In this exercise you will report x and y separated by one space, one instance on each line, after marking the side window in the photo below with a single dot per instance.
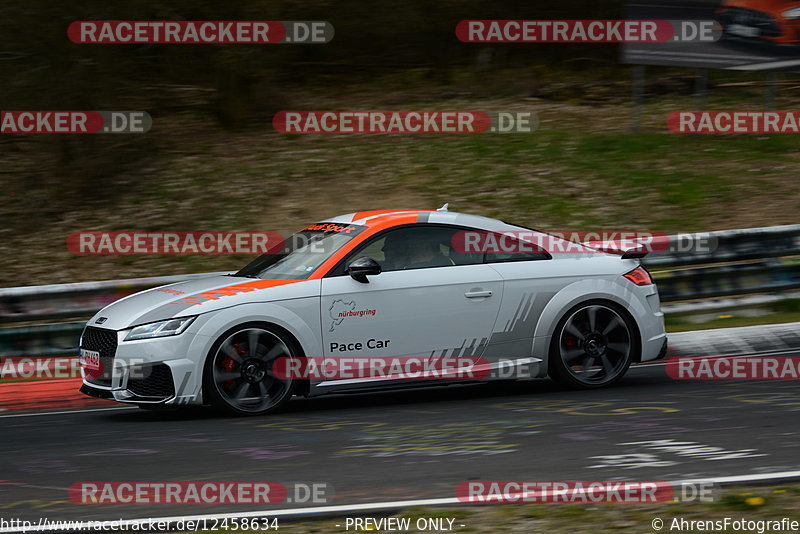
416 247
374 250
502 248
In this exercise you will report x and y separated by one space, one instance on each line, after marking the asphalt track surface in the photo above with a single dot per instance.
419 444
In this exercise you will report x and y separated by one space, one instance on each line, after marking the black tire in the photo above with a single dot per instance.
237 375
593 345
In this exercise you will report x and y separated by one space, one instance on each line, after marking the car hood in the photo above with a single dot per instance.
192 297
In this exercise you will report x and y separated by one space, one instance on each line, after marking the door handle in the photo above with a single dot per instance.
477 294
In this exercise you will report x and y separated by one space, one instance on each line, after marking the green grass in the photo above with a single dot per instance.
728 320
581 171
770 503
787 311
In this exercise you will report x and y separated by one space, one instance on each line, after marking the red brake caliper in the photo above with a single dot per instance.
229 364
570 342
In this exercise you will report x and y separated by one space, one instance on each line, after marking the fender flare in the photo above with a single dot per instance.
574 294
259 312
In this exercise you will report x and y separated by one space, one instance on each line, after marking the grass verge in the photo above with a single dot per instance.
759 503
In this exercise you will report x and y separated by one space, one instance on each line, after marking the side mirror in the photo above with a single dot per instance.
362 267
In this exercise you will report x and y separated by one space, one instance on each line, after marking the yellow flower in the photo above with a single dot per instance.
779 491
755 501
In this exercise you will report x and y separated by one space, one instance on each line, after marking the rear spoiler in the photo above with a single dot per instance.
627 248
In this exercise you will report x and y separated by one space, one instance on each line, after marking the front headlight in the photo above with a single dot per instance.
793 13
171 327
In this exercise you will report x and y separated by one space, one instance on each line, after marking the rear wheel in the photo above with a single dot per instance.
239 377
593 345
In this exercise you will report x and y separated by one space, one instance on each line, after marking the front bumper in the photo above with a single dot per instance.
153 387
96 392
663 352
152 371
138 384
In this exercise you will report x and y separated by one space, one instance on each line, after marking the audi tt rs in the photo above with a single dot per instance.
422 284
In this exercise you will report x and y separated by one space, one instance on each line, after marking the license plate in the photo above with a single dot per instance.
744 31
89 359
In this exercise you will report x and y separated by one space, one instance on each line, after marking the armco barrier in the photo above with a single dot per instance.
738 268
34 303
62 301
766 276
730 246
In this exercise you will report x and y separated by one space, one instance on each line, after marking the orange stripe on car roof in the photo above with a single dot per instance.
364 214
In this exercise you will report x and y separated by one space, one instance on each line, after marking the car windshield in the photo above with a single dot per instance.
302 253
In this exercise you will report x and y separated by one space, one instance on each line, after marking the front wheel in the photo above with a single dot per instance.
593 345
239 377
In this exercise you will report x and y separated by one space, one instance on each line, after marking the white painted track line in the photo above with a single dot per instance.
66 412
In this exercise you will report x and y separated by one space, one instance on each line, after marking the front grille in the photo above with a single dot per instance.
151 381
753 18
104 342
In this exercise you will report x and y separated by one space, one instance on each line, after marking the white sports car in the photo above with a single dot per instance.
380 284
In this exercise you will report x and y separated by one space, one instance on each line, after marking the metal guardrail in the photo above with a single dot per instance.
736 268
729 246
728 266
82 299
729 280
62 301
